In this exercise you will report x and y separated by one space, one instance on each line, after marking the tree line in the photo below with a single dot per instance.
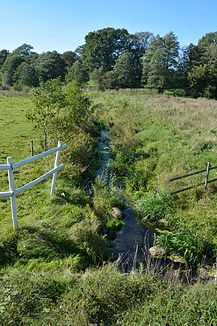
113 58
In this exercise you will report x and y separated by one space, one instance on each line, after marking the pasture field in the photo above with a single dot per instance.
16 134
53 271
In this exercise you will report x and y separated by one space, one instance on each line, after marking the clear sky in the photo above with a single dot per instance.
62 24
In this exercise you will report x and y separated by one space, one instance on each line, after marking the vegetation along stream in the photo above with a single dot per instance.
131 245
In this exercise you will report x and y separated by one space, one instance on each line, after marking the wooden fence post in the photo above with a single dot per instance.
207 175
13 196
56 164
32 148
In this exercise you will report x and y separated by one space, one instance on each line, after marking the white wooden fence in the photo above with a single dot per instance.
11 166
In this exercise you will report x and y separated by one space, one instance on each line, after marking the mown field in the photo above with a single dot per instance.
54 271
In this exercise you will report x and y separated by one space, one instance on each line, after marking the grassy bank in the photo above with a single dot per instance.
102 297
154 138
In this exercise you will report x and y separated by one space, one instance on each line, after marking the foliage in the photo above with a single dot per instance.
112 58
47 99
69 58
114 224
3 57
10 65
185 242
153 138
102 48
86 235
50 65
175 92
77 73
126 71
175 305
65 114
25 75
160 61
151 207
102 297
43 280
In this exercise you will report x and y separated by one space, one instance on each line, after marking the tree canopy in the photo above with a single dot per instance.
114 58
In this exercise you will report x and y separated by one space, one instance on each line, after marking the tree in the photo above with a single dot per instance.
78 73
50 65
203 77
12 62
202 67
47 99
207 40
23 51
198 80
126 71
3 56
160 62
103 47
9 68
69 57
139 42
25 75
65 114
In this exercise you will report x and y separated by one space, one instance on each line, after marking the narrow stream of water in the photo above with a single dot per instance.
130 247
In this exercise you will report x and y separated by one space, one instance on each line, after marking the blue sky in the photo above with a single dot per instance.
62 24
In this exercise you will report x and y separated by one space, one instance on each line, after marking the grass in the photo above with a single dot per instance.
47 224
51 270
102 297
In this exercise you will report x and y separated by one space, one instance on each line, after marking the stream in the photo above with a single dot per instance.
131 245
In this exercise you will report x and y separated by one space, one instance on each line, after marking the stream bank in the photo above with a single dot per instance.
130 249
131 246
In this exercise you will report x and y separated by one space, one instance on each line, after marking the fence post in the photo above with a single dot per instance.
13 197
57 159
32 148
207 175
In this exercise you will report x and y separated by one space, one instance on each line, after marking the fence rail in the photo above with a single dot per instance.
11 166
205 183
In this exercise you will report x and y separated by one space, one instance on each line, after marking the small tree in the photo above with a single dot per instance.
65 113
48 99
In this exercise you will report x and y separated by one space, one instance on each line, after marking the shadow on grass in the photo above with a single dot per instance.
34 243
